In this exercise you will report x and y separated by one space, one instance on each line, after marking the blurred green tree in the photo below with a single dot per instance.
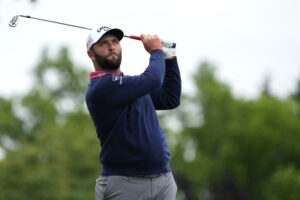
10 125
232 148
56 152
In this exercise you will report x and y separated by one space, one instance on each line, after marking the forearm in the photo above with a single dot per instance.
168 95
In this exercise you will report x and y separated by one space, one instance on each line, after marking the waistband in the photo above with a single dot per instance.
151 175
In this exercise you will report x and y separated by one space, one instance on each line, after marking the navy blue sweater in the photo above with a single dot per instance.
123 110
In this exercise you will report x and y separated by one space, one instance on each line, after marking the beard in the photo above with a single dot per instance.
108 64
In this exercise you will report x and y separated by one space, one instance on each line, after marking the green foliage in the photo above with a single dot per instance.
238 145
10 125
283 184
57 157
70 80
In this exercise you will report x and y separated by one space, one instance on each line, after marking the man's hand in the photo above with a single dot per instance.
169 53
151 42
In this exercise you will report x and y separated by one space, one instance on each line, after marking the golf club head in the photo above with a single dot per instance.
14 21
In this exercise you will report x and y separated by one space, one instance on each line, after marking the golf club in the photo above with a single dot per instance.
14 21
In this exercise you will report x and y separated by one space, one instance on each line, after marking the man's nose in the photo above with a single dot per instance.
111 45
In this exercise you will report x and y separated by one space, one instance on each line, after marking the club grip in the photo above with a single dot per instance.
135 37
163 42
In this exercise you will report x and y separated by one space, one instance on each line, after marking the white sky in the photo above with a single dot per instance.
245 39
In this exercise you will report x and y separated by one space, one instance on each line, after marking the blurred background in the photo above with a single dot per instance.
235 136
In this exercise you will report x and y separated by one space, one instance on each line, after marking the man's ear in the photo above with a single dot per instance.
91 55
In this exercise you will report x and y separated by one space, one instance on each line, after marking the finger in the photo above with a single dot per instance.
156 37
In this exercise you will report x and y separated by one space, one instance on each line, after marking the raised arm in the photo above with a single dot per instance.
167 96
120 90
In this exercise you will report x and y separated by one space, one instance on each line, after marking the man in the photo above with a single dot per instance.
134 151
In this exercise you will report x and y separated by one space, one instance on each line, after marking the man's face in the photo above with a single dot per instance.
107 52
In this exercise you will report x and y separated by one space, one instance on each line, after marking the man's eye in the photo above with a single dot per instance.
103 43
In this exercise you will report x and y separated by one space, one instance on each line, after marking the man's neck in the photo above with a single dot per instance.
116 71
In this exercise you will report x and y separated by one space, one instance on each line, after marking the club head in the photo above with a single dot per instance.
14 21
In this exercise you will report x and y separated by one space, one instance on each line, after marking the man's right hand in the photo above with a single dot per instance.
151 42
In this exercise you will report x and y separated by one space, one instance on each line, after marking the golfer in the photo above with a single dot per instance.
134 151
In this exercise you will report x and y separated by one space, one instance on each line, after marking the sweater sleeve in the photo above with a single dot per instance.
117 90
167 96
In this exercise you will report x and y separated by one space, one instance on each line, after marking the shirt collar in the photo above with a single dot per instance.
101 73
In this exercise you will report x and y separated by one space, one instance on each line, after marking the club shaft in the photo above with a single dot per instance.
45 20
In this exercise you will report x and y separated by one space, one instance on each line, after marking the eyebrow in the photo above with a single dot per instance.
106 40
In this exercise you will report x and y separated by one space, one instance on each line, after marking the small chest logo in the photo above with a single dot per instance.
117 78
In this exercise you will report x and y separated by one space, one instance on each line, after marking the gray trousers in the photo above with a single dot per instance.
156 187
